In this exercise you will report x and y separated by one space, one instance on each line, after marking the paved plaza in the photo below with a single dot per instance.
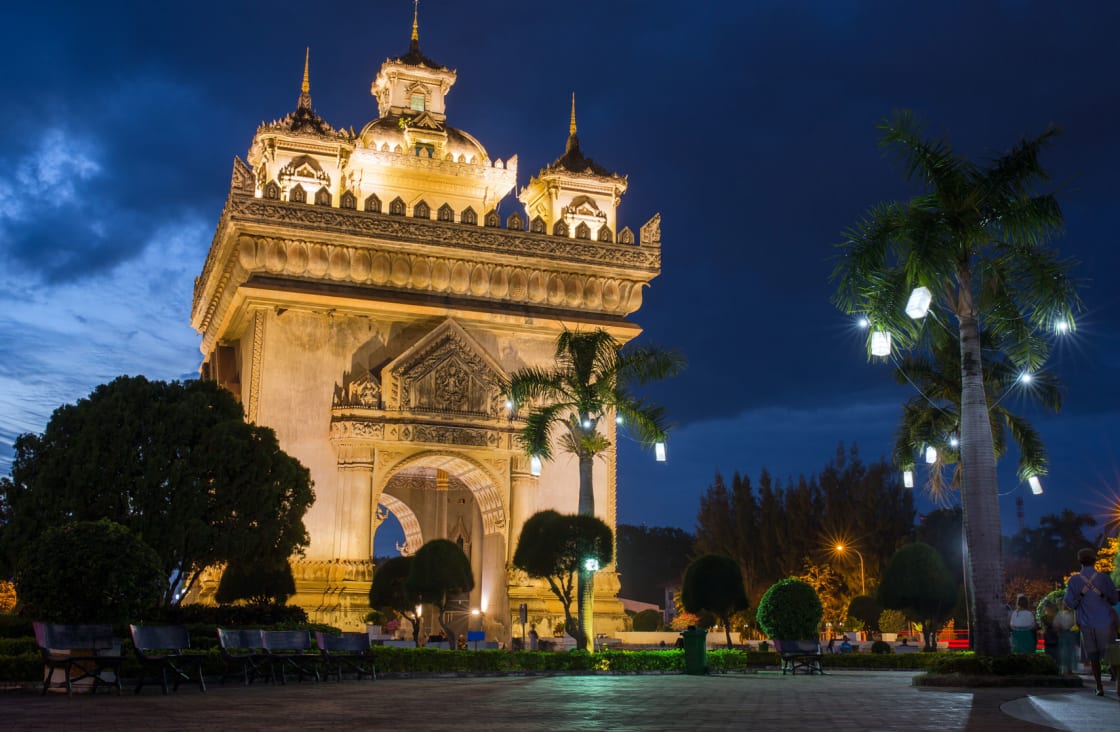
841 701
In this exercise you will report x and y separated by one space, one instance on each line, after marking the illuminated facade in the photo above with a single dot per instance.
364 299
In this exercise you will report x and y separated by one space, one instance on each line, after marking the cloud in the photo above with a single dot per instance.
64 339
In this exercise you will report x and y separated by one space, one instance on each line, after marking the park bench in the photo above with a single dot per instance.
801 655
242 653
291 649
348 652
160 648
82 654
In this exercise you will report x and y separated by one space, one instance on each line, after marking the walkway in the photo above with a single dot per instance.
842 701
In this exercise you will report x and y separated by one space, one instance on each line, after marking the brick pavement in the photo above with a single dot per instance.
842 701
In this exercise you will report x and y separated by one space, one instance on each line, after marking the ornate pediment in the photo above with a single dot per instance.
446 371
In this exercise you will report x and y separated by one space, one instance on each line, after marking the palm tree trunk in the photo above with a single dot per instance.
980 492
586 589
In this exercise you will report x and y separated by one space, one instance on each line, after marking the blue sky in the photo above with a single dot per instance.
750 126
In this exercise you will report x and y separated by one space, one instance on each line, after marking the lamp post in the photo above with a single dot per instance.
862 583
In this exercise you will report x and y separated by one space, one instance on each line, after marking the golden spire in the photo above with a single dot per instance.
572 125
415 22
306 87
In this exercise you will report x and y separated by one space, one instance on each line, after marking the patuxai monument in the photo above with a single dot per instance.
365 297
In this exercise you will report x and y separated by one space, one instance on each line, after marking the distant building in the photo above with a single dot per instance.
364 298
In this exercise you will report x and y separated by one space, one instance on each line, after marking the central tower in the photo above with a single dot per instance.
364 298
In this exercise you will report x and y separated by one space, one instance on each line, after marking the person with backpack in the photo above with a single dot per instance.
1092 595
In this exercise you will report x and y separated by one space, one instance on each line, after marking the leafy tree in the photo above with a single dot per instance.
866 610
651 559
590 382
790 610
260 581
713 582
389 589
554 547
174 463
977 240
828 588
89 572
770 532
440 571
918 583
1043 554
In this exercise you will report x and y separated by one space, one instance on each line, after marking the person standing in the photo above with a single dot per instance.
1024 636
1067 639
1092 595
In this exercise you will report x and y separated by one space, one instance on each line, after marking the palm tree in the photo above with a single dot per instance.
931 418
977 240
590 381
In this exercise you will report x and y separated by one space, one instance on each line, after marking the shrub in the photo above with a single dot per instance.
790 610
232 616
881 647
892 621
647 620
970 664
89 572
268 579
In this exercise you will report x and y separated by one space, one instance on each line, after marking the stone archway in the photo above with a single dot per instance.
453 496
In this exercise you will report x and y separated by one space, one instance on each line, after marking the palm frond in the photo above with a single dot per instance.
1032 452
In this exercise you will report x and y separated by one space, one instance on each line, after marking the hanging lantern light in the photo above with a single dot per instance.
907 478
618 419
1036 485
659 451
918 304
931 454
880 343
535 465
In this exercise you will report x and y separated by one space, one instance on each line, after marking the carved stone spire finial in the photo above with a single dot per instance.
573 141
414 44
572 124
305 87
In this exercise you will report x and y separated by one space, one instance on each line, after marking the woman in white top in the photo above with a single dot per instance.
1023 625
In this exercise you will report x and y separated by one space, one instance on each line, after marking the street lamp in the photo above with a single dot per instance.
862 583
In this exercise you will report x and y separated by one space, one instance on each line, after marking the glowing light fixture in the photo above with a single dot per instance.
953 441
931 454
419 610
863 323
918 304
907 478
509 404
535 465
1036 485
475 611
591 564
659 451
618 419
1061 326
586 423
1026 377
880 343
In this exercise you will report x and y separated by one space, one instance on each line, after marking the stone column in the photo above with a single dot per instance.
522 498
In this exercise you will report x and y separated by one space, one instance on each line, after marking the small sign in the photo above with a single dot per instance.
523 613
476 635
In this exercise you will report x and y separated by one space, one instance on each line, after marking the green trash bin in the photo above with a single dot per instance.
695 651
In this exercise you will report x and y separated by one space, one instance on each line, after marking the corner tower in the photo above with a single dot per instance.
574 196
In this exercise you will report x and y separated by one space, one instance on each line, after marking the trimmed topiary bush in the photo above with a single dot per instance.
647 620
881 647
790 610
89 572
260 581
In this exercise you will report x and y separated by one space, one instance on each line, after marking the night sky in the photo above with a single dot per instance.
750 126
